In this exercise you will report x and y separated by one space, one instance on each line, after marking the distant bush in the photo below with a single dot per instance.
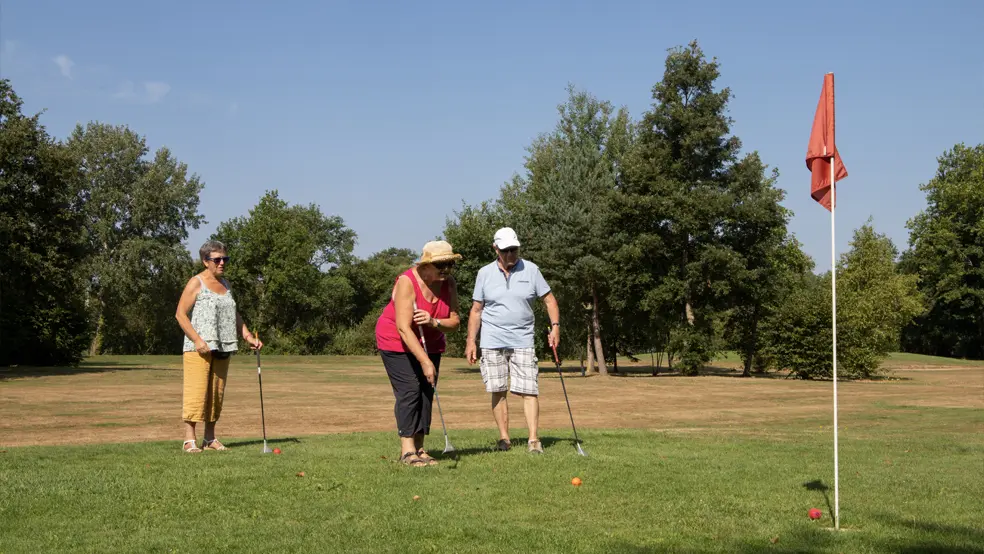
874 302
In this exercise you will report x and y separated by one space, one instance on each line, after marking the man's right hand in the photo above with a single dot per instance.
471 352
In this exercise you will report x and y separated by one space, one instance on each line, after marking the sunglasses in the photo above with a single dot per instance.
442 266
217 259
510 250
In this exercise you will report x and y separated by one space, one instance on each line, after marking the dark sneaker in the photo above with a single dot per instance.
503 445
535 447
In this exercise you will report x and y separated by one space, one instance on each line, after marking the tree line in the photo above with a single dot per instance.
657 235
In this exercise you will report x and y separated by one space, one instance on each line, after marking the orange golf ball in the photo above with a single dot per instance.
576 481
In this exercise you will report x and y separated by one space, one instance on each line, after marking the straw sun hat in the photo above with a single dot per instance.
437 251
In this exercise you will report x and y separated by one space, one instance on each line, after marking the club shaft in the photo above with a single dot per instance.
423 343
440 411
577 441
259 378
568 400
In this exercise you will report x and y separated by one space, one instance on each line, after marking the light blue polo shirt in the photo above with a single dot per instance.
507 317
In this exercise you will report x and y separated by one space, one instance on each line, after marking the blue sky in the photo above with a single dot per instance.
392 118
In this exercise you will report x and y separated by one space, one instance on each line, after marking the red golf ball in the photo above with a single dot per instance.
815 513
276 451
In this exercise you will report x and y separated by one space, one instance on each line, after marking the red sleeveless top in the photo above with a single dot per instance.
388 337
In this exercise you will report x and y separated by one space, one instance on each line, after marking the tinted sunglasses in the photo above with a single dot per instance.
445 265
218 259
510 250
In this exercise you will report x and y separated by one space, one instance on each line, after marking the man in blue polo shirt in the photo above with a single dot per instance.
502 307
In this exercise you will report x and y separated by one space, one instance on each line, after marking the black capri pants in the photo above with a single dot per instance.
414 395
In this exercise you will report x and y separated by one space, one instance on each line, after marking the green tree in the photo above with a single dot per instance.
786 272
138 212
563 211
569 234
559 208
145 294
674 202
767 256
43 316
284 267
799 335
372 279
946 251
470 233
874 302
372 282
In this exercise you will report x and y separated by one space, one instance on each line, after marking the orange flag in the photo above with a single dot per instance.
822 146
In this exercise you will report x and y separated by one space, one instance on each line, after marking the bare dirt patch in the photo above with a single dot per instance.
112 400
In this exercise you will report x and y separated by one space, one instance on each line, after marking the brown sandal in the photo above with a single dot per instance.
423 455
213 444
411 459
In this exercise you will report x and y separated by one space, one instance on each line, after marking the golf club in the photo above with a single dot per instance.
259 378
448 447
577 441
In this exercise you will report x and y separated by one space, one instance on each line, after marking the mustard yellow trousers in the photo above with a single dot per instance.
204 386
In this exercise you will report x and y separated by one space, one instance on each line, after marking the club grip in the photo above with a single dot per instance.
554 348
420 330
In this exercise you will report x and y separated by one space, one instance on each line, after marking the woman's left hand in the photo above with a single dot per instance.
422 318
255 343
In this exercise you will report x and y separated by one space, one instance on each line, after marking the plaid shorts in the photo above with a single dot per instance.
521 364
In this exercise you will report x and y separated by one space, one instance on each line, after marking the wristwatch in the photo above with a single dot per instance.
555 324
437 323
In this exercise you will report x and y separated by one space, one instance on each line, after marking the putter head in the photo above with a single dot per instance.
448 448
580 450
266 449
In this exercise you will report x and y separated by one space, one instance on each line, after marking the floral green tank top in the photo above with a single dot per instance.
214 319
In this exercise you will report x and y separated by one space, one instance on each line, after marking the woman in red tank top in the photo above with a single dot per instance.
424 300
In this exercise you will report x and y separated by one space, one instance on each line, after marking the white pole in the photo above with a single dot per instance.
833 285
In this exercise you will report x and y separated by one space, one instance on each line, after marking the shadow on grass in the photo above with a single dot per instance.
806 541
518 444
931 538
548 443
636 371
459 452
953 539
719 371
332 488
819 486
20 372
460 369
708 371
260 442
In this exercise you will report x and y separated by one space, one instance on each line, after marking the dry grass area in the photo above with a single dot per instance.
126 399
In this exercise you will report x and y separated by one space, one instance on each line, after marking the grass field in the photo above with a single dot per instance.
90 462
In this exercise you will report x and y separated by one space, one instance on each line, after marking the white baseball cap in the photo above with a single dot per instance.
505 238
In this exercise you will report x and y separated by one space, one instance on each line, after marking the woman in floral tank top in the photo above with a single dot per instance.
210 338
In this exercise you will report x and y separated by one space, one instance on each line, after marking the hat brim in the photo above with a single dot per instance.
440 258
506 243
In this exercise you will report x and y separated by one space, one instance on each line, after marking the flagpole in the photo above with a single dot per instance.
833 286
822 145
